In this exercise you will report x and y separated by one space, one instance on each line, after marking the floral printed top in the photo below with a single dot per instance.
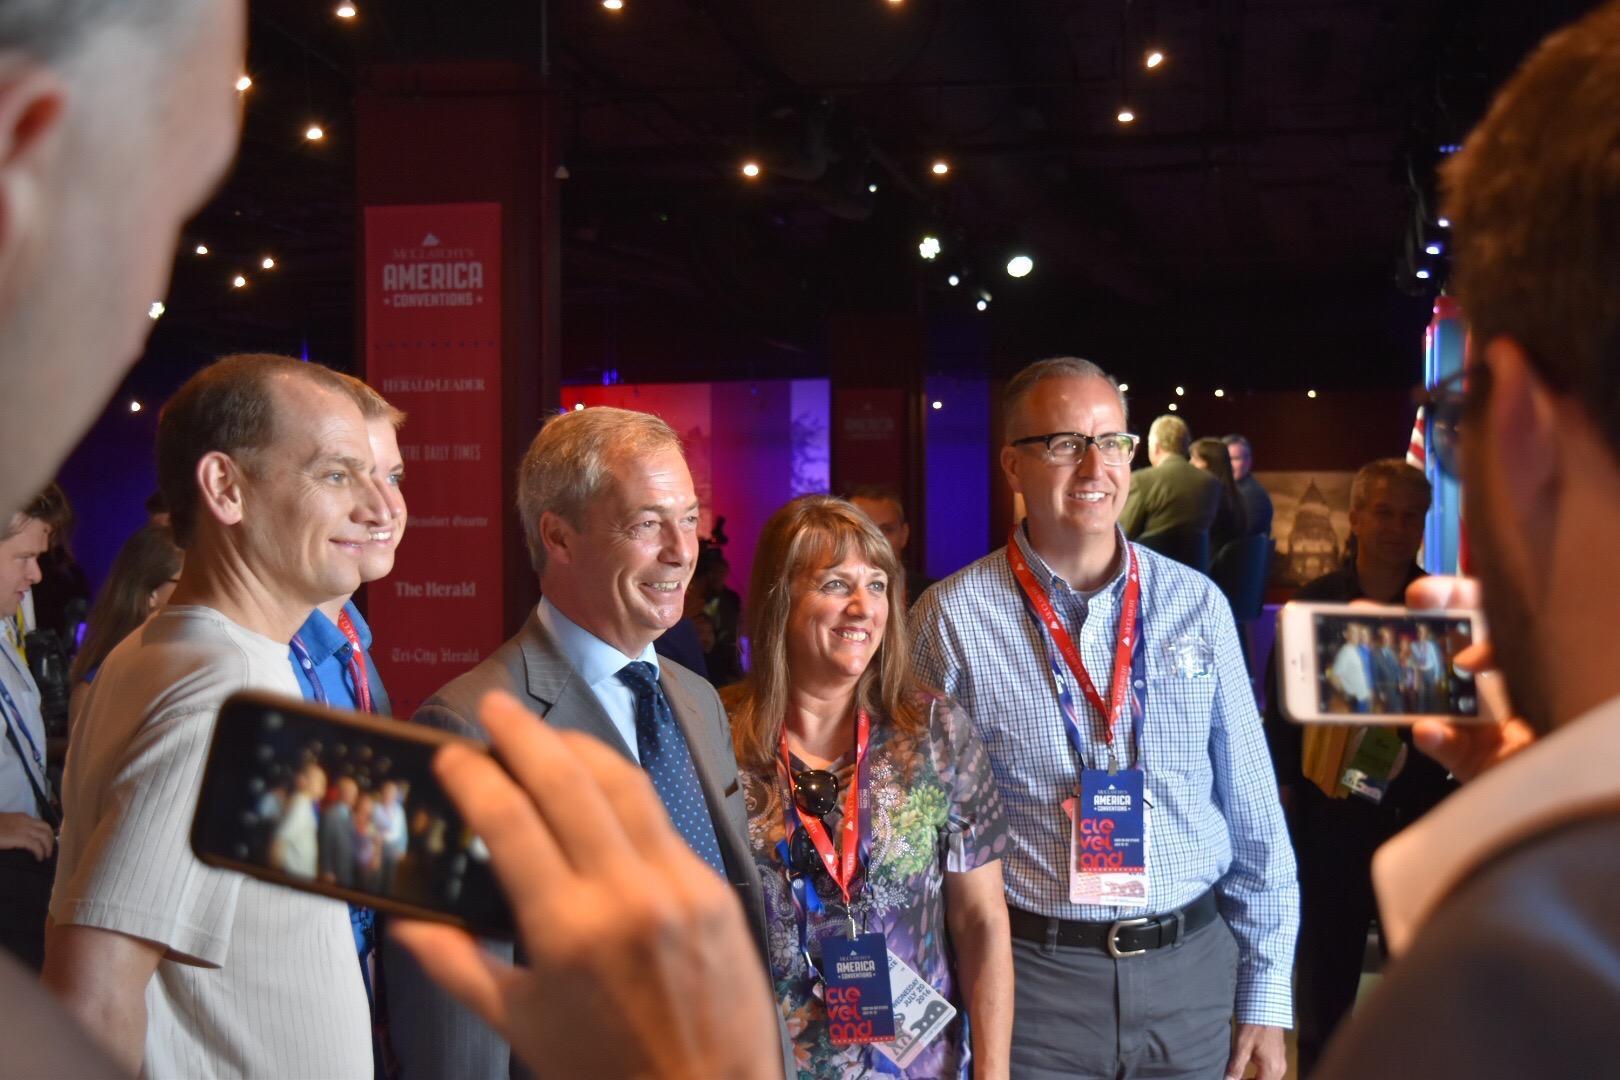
935 810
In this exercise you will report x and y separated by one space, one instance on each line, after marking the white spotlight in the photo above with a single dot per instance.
1220 393
202 249
1020 265
1423 275
1444 223
1310 393
954 280
134 406
1153 59
238 282
1181 391
242 84
1126 116
1124 386
314 133
268 263
1432 249
1172 406
156 310
938 405
929 248
983 305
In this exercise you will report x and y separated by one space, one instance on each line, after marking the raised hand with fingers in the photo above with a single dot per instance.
640 961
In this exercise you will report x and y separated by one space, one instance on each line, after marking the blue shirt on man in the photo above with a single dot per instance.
1215 817
329 675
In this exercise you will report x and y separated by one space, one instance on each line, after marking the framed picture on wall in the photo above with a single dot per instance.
1311 524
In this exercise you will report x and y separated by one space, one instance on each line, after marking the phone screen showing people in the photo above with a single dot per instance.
345 805
1381 665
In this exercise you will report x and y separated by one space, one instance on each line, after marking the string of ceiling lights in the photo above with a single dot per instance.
314 132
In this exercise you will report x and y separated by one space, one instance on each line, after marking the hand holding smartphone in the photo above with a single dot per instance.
1373 664
345 805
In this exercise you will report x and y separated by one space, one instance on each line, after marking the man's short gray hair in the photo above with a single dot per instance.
1396 471
53 30
1170 433
1056 367
572 459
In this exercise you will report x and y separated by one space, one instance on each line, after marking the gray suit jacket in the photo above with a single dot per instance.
431 1033
1517 974
1173 494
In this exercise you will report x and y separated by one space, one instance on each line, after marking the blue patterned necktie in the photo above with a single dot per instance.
668 761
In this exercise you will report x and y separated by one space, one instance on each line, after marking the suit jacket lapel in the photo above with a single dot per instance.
557 689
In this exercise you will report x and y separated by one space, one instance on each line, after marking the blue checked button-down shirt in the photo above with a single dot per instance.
1215 819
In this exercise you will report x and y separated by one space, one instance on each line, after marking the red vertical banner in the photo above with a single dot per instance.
433 348
869 438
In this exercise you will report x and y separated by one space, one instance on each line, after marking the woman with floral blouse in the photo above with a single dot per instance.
830 720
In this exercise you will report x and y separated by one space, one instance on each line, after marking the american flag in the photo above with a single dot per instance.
1416 454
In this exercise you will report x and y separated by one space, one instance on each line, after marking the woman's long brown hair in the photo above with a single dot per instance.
809 534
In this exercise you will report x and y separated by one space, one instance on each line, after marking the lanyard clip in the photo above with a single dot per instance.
853 933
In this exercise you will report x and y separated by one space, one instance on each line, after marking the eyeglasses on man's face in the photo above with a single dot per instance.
1069 447
1444 406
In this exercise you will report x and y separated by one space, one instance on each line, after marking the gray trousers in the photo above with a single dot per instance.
1165 1014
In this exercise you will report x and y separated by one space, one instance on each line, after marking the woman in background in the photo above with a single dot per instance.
1232 519
140 581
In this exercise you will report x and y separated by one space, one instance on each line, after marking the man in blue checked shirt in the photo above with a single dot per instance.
1090 665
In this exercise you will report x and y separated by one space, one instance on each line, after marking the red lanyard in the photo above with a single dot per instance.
1124 641
357 662
841 867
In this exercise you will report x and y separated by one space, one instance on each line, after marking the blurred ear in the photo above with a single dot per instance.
1009 455
33 101
558 537
219 488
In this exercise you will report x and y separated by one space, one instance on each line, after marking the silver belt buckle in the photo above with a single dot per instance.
1113 936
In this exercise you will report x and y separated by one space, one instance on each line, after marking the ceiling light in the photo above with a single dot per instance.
134 406
613 5
938 405
202 249
983 305
750 169
1125 116
954 280
1020 266
242 84
268 263
1444 223
1153 59
314 133
1124 386
1220 393
156 310
579 406
941 167
872 188
1423 275
1172 406
929 248
1181 391
345 11
1432 249
238 281
1310 393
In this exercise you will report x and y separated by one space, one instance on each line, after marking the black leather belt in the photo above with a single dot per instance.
1122 937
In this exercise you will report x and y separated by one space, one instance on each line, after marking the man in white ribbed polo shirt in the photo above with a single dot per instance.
181 969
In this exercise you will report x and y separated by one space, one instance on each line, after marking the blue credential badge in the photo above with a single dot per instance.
1109 849
859 1006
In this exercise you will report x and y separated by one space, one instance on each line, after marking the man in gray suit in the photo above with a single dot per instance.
610 516
1171 495
1500 904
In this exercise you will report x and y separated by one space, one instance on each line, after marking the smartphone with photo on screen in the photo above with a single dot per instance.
1376 664
345 805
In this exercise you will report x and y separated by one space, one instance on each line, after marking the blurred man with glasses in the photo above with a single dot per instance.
1094 668
1500 903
